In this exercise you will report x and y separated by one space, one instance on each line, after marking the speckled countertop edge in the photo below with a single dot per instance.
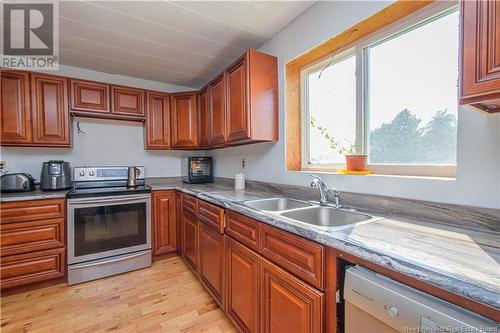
33 195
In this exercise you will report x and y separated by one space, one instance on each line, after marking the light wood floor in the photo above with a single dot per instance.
166 297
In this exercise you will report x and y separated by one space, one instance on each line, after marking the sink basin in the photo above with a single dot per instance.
276 204
328 217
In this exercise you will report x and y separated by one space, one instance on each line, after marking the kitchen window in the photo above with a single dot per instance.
393 94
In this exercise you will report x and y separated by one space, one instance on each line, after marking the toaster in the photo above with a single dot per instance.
17 182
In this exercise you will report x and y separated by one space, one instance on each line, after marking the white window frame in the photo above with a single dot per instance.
360 49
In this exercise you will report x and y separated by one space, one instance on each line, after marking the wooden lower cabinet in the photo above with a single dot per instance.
287 304
30 236
32 242
242 279
164 222
211 261
27 268
189 242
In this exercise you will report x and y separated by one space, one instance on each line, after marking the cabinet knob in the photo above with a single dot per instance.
393 311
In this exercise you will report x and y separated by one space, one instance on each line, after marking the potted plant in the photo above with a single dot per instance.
354 160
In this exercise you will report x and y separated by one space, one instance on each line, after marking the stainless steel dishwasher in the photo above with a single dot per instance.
376 304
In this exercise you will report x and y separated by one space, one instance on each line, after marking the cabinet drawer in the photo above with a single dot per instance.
189 204
244 229
32 267
31 236
301 257
211 215
21 211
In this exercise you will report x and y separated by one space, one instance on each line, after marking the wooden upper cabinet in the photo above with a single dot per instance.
89 97
50 112
288 304
164 222
127 102
184 123
252 99
217 107
15 117
480 61
242 279
157 126
204 118
238 122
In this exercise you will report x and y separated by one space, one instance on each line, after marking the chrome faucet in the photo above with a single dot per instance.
319 183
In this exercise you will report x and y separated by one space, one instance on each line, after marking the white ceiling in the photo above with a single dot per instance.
180 42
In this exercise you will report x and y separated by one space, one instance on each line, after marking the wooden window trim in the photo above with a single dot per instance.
377 21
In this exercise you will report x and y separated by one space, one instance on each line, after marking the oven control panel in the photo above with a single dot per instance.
82 174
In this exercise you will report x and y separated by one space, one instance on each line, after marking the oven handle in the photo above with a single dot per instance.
108 199
107 261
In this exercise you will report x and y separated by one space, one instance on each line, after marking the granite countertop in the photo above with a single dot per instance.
456 258
457 250
33 195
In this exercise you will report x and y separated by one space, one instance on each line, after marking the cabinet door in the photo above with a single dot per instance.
288 304
157 126
242 276
164 229
88 96
190 240
204 117
480 64
15 114
127 102
237 119
51 119
184 120
217 111
211 267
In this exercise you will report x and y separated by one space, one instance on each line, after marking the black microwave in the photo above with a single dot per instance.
197 170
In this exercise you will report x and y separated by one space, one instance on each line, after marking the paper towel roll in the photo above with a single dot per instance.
239 181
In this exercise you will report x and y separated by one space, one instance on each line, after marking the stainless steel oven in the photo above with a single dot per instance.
108 233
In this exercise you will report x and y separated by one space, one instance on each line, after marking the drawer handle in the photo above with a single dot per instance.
107 261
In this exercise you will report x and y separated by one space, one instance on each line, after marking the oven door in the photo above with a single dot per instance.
108 226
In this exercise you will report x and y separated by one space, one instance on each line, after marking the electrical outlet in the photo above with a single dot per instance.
243 163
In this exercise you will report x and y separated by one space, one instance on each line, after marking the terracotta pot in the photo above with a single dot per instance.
355 162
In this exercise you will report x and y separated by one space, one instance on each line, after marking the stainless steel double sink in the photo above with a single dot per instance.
325 217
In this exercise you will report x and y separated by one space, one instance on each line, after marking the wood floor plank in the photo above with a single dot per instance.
166 297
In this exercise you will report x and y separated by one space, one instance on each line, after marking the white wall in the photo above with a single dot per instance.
478 172
106 142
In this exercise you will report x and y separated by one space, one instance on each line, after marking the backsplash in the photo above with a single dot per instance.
104 143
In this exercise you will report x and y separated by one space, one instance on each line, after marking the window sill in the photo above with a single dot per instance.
309 170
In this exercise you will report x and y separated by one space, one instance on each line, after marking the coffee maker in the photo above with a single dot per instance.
56 175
